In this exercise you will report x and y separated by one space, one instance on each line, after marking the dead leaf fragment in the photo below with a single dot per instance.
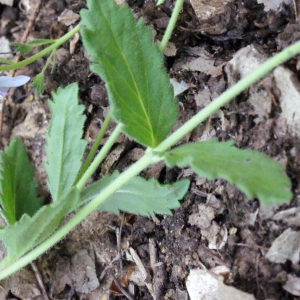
202 285
289 87
231 293
252 218
203 218
211 234
84 277
74 42
273 4
244 62
61 275
292 285
261 103
200 60
290 216
22 285
7 2
203 63
210 230
206 9
68 17
203 98
178 87
170 49
209 14
137 277
285 247
221 271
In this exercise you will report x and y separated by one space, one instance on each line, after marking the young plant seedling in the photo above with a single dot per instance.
142 103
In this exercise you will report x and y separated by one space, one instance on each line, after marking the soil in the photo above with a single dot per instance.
217 229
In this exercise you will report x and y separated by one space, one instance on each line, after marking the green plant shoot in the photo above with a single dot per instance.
142 103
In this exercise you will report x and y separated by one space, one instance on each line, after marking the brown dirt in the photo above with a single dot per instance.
84 264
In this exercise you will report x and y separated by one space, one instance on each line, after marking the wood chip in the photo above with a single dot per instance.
145 274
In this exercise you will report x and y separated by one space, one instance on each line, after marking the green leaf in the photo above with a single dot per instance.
131 65
41 42
6 61
90 192
23 49
252 172
138 196
18 189
64 147
29 232
38 83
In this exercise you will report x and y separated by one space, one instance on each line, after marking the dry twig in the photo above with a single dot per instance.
40 281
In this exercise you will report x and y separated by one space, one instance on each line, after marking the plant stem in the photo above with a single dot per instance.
48 61
149 158
100 156
95 147
171 25
38 55
132 171
159 2
228 95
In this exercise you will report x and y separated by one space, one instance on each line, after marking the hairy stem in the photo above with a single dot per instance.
95 146
98 159
40 54
171 25
150 158
227 96
132 171
48 61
